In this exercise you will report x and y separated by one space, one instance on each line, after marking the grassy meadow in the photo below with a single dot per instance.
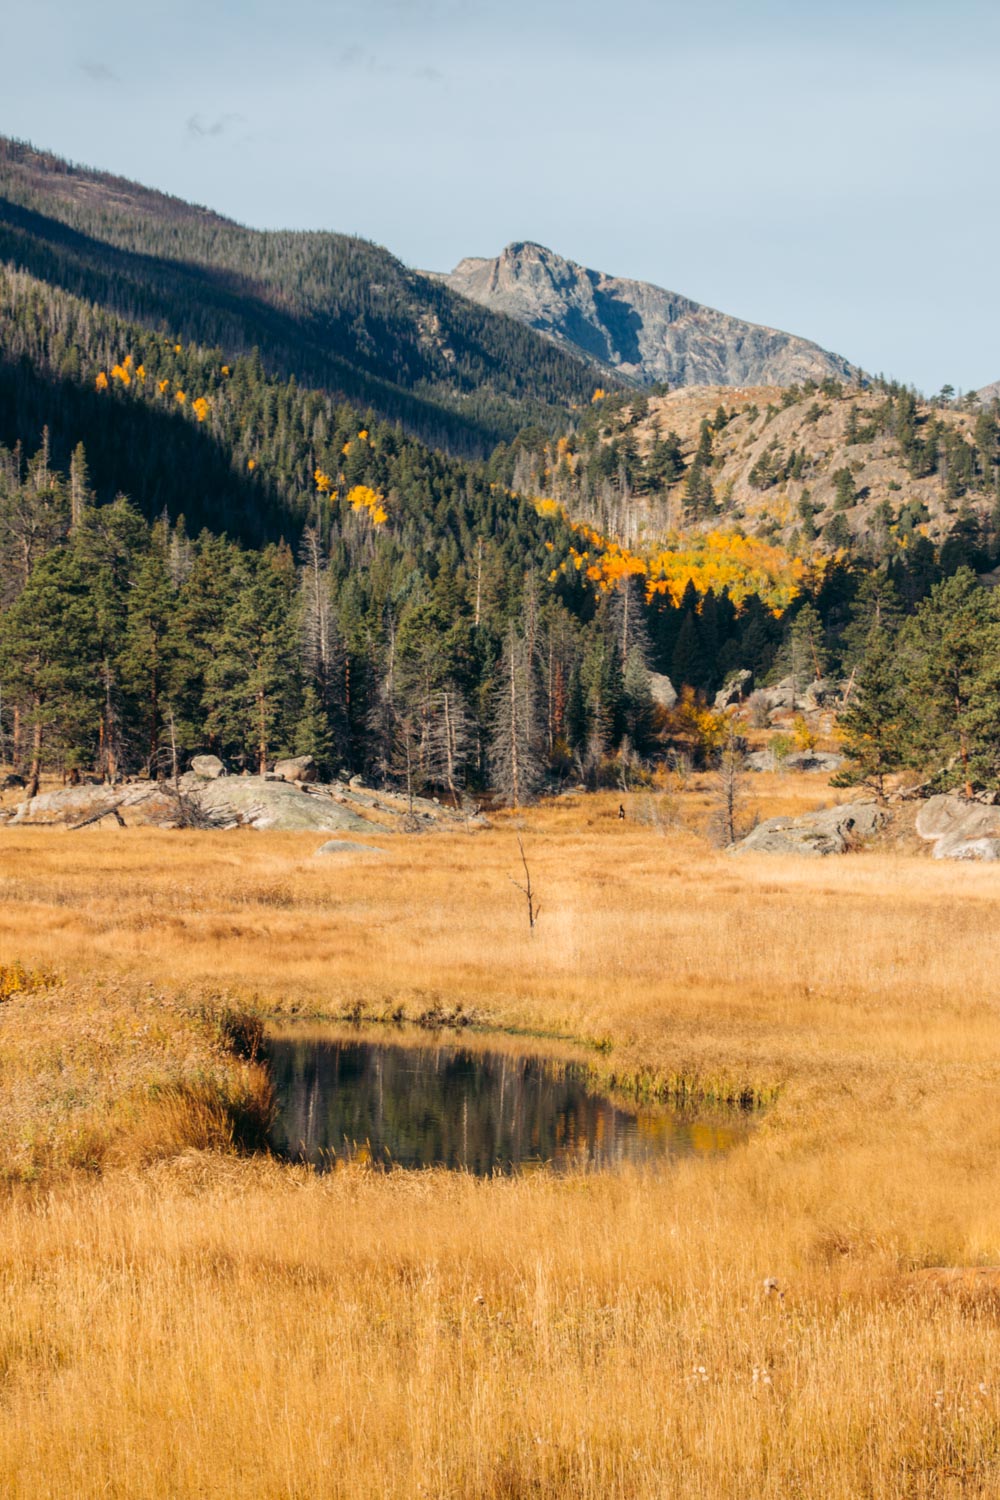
184 1318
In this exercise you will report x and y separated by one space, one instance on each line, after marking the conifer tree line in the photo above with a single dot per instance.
125 644
124 641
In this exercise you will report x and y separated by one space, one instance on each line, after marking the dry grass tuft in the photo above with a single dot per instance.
106 1074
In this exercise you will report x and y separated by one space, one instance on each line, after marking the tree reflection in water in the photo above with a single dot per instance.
476 1111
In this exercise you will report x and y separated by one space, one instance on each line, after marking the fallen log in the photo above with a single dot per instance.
95 817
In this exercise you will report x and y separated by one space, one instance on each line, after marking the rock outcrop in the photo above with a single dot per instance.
734 689
662 690
257 802
297 768
131 805
791 693
638 330
960 829
266 802
835 830
208 767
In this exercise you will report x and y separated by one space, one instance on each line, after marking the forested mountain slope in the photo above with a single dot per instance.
817 469
634 330
337 312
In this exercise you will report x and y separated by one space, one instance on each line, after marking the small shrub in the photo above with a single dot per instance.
803 734
15 979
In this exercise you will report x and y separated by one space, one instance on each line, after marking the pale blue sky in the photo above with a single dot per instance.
829 171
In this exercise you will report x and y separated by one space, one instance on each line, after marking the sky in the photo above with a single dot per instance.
829 170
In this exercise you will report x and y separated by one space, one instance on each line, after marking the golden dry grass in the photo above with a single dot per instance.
201 1325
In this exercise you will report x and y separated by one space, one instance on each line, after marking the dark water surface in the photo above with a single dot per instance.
478 1111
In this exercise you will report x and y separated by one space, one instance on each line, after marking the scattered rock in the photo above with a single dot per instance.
791 693
662 690
834 830
734 689
346 846
297 768
799 760
960 829
780 694
357 783
819 691
208 767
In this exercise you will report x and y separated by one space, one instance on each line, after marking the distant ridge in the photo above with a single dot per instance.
335 311
641 332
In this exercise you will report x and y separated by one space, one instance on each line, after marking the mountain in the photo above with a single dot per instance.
339 313
635 330
989 394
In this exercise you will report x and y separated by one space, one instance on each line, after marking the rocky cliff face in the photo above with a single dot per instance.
989 394
640 331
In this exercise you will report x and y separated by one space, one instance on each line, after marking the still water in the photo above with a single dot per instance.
471 1110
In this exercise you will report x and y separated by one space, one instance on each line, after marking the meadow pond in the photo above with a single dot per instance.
469 1108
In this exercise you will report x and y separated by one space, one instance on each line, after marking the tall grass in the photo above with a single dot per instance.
185 1321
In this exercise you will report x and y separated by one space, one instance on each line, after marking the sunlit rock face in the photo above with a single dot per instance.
641 332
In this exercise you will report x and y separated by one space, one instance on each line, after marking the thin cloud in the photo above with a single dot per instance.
99 72
361 60
201 129
358 57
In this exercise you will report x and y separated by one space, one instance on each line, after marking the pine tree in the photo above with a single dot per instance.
803 656
447 738
699 496
948 653
875 722
312 734
844 494
34 518
875 607
248 677
48 640
638 708
688 667
150 650
515 768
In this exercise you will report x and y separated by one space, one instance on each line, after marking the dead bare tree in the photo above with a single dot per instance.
730 816
527 890
447 737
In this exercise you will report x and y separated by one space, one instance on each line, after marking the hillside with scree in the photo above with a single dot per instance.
815 468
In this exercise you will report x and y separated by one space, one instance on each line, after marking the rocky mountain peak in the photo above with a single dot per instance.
640 331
